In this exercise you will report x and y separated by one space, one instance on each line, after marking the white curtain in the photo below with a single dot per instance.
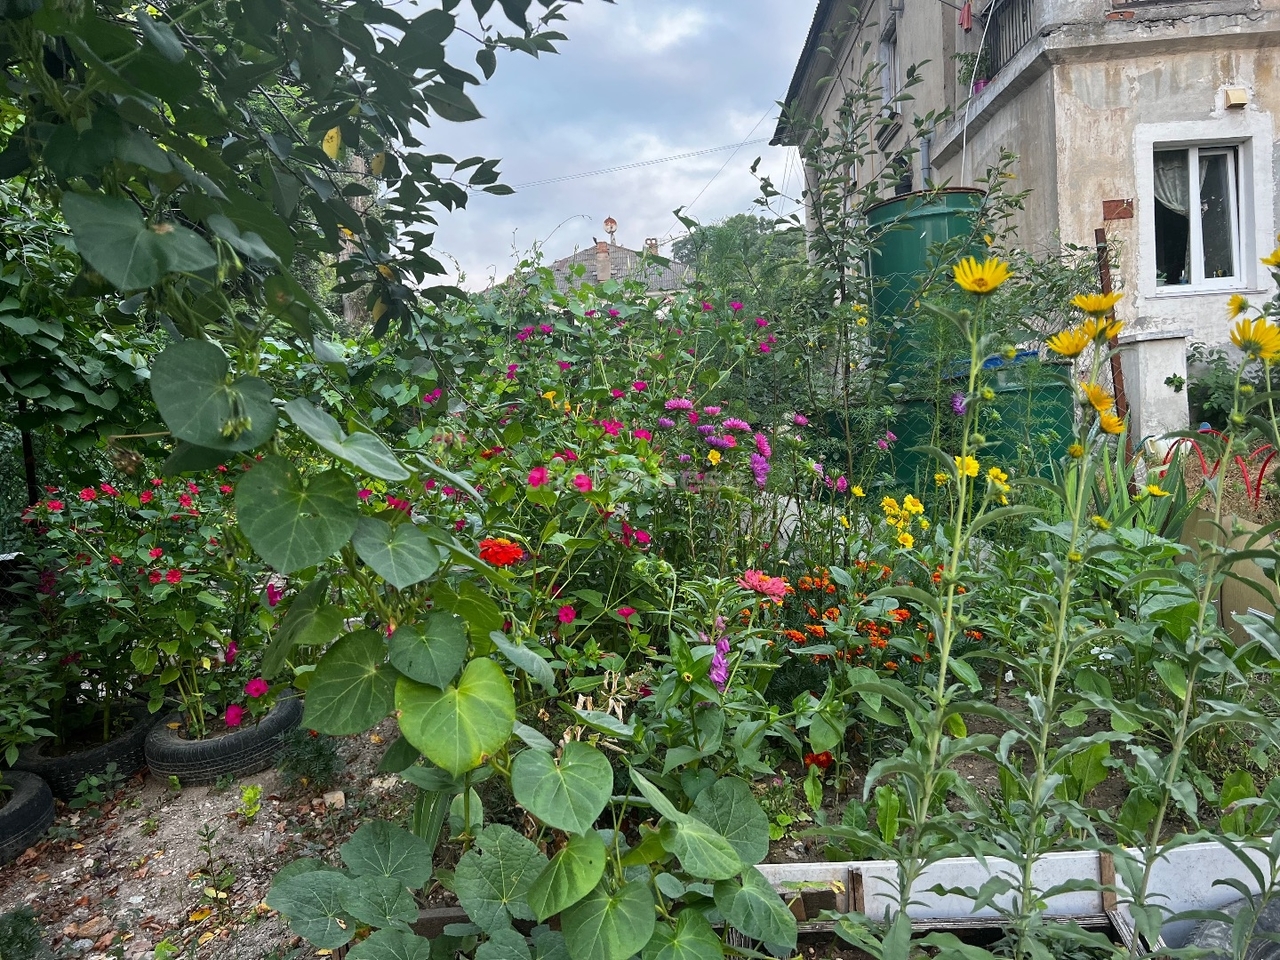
1171 182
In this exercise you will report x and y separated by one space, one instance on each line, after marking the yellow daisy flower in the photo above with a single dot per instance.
1069 343
1096 304
1156 491
1101 522
857 492
906 540
981 278
1274 259
1259 338
1110 423
713 457
1075 451
1100 328
844 521
942 479
1237 305
1097 397
911 505
924 524
968 466
999 479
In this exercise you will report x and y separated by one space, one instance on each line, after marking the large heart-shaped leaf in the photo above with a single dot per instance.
692 938
352 687
609 926
729 807
458 727
701 850
190 385
402 555
293 524
754 908
313 903
491 884
392 945
505 944
309 622
113 237
381 849
380 902
362 450
568 795
433 652
570 876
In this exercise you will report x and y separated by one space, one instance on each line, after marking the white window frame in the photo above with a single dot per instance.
889 79
1252 134
1195 262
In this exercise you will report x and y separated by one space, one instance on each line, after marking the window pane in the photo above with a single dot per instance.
1173 221
1216 215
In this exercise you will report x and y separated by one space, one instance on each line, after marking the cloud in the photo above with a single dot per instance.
636 81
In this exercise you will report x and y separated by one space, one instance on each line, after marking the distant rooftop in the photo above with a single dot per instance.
659 274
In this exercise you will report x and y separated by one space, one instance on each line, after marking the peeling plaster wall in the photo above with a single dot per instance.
1109 114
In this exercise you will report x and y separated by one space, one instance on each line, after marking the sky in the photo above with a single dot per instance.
637 80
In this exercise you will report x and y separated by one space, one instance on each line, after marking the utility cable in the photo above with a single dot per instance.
641 163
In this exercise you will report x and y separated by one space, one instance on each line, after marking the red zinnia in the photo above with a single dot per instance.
820 760
145 496
500 552
155 576
157 552
174 575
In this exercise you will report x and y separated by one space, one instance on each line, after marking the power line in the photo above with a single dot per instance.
643 163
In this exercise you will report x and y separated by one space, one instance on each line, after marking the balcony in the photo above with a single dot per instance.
1012 26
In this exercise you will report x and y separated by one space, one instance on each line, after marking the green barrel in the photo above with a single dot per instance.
905 230
1036 406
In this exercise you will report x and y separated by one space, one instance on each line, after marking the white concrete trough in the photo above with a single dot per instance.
1184 879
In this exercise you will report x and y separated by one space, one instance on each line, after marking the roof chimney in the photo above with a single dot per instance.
603 271
651 245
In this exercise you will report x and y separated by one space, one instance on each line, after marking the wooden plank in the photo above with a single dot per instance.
1107 874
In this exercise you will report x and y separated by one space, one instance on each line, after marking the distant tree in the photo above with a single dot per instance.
743 252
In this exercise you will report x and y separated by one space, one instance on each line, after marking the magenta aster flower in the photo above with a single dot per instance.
760 470
642 434
800 420
565 365
666 423
762 446
257 687
639 386
545 327
733 423
761 322
711 411
735 306
706 306
679 403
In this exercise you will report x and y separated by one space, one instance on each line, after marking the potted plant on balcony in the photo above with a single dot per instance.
972 70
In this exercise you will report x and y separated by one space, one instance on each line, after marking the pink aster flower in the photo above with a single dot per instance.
174 576
235 715
711 411
842 484
618 393
257 687
642 434
583 483
679 403
156 553
639 386
537 476
762 446
666 423
88 493
109 490
761 322
765 348
735 306
882 444
800 420
566 614
733 423
225 488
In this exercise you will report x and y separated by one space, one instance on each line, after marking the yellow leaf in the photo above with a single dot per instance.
213 894
205 937
332 143
173 726
379 164
199 916
379 309
386 271
205 663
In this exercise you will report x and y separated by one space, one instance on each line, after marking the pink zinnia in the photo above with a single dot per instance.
155 576
639 386
109 490
775 588
257 687
537 476
193 488
145 496
235 715
582 482
55 506
642 434
225 488
156 553
88 493
611 427
566 614
116 561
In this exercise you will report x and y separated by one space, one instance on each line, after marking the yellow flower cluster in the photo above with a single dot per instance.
1096 329
999 481
901 518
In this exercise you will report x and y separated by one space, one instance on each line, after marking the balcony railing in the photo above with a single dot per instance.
1012 27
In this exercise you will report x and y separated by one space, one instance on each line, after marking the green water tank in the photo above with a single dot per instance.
905 230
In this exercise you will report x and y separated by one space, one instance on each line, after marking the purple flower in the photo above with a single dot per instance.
679 403
760 468
685 458
882 444
958 405
762 445
707 429
890 436
721 443
733 423
800 420
719 672
274 593
842 484
735 306
711 411
666 423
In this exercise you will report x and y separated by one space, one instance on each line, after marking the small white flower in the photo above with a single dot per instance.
1008 677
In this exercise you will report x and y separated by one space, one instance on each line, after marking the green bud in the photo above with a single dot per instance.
1238 419
979 439
1246 389
1008 351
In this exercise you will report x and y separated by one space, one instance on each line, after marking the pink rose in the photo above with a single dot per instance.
583 483
537 476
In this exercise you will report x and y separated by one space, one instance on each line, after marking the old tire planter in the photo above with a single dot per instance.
251 749
64 773
26 814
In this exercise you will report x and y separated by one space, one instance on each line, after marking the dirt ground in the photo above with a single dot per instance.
139 873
